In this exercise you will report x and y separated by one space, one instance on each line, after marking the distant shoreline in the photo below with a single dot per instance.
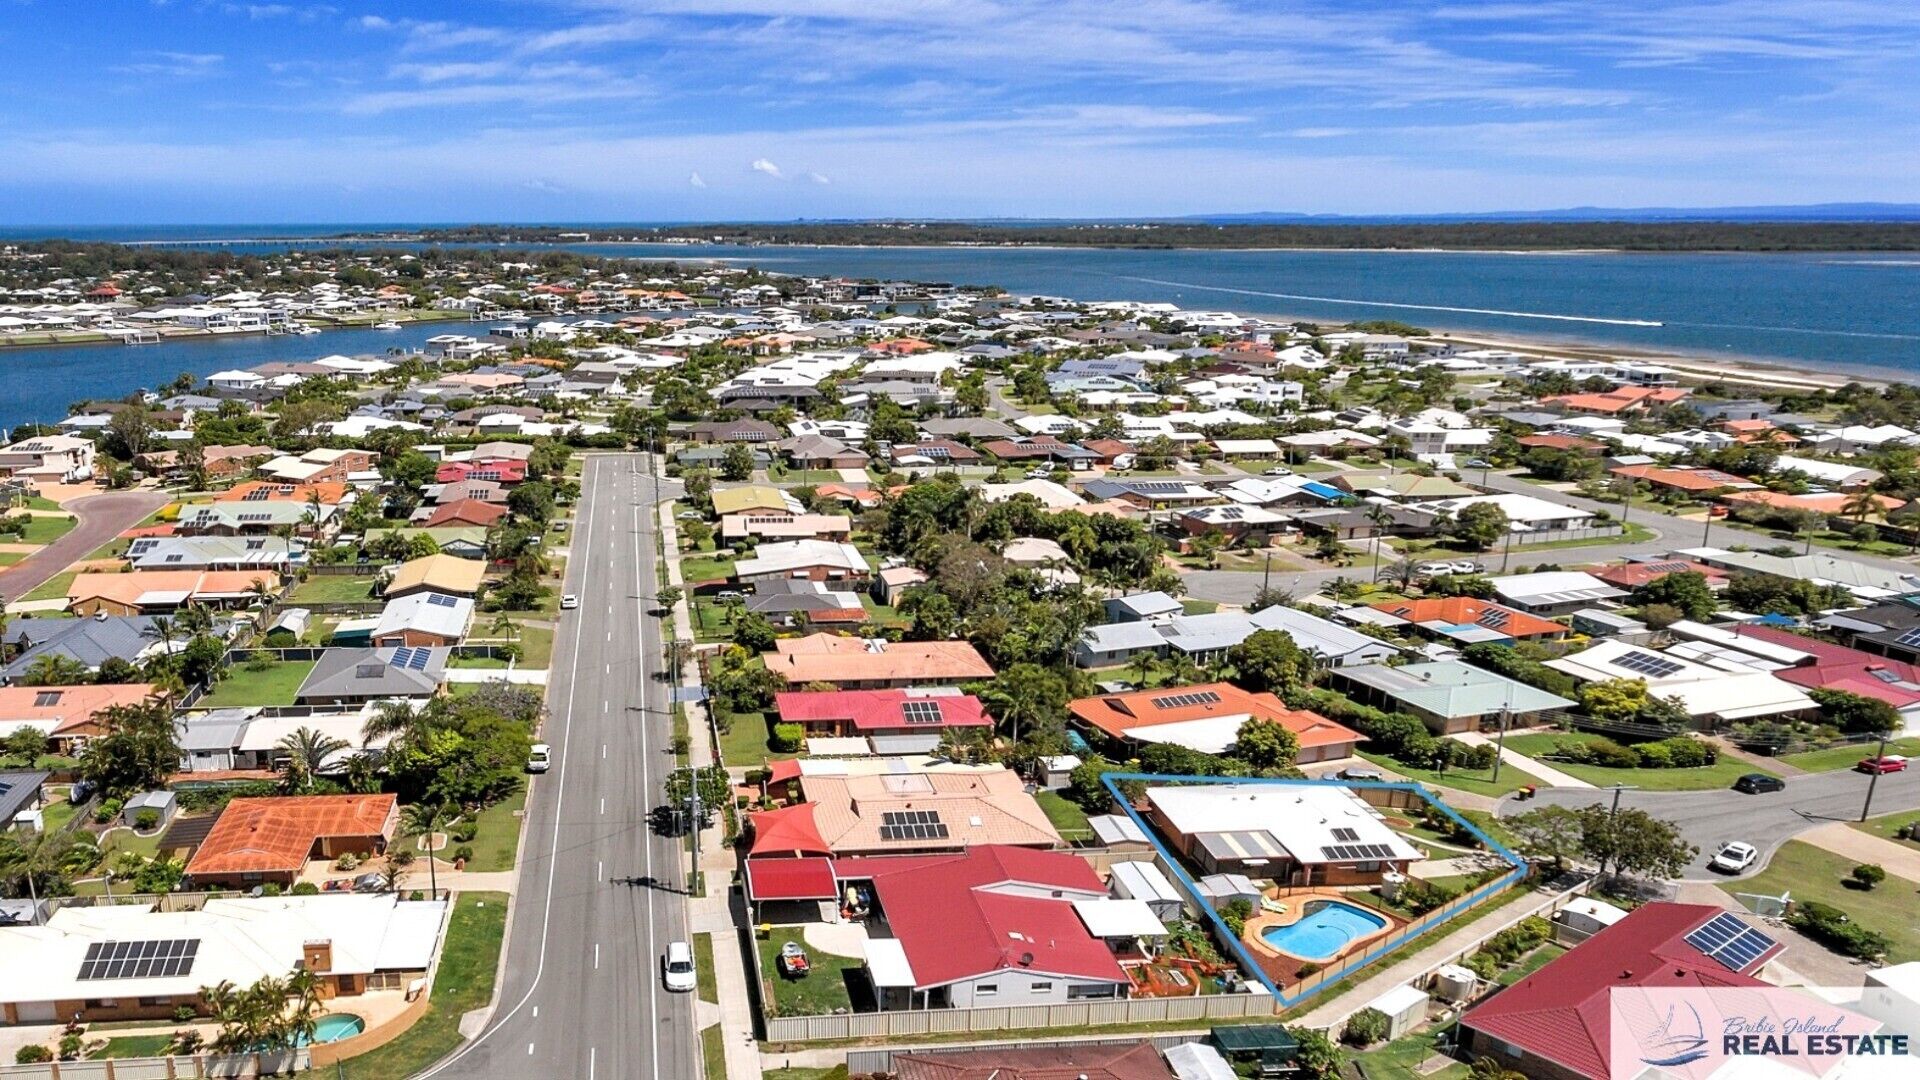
95 339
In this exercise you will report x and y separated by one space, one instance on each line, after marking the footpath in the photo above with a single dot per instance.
712 913
1546 773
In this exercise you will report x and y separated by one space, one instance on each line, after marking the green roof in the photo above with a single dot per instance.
1254 1038
1452 688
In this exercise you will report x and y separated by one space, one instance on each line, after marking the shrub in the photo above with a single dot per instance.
1831 927
1867 875
107 811
305 888
271 888
70 1046
1236 913
347 861
1420 896
1366 1027
787 737
464 853
1483 965
260 662
464 832
32 1054
146 820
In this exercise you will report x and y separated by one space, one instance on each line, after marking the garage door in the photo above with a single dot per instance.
38 1012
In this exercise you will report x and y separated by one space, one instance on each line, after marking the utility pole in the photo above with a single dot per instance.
693 825
1873 778
1266 576
1500 744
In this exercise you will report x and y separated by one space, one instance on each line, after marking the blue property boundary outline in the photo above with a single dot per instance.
1467 901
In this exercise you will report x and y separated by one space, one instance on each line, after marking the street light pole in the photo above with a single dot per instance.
1873 778
1500 744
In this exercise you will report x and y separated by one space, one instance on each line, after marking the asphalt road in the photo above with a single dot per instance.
581 995
1710 819
101 518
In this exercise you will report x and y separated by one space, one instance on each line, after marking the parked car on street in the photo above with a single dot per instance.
569 602
1733 858
539 758
677 967
1756 783
1890 764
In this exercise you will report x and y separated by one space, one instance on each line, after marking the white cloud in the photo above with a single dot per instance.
818 179
694 180
762 165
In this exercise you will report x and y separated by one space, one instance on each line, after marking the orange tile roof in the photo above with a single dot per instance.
834 659
1461 610
1118 714
1834 502
1682 479
195 584
330 492
262 835
67 707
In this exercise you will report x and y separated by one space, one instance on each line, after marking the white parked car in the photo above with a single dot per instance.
677 967
569 602
1279 470
1734 858
539 758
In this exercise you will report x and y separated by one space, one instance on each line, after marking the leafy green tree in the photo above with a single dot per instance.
1855 713
137 750
532 500
1479 525
737 463
1028 696
28 744
1268 661
1633 842
1688 591
1318 1056
1265 744
1618 700
1554 833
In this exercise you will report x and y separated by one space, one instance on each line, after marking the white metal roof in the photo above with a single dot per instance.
1110 918
887 962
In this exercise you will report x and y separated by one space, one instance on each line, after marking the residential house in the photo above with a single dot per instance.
1450 696
269 840
423 618
1549 594
319 465
435 573
86 642
1206 718
812 560
855 663
914 812
355 675
463 513
895 721
280 555
67 715
151 592
58 459
821 452
1709 694
754 499
1466 620
783 526
1297 833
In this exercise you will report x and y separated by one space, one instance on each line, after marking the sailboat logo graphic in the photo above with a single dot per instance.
1673 1042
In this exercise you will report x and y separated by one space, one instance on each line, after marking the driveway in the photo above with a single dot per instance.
1713 818
101 517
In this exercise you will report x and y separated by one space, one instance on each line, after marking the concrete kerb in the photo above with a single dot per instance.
1470 900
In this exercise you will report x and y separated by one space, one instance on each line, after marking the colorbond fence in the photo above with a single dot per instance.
1176 1010
195 1067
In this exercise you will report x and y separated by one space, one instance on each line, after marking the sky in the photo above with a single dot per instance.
195 111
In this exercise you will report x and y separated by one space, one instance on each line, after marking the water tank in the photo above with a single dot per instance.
1390 883
1454 983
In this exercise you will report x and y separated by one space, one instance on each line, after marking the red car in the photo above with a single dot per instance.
1887 764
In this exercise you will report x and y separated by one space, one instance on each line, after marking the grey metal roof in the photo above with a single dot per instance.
219 729
17 789
91 641
360 673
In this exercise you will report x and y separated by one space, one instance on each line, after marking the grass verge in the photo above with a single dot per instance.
469 959
1811 873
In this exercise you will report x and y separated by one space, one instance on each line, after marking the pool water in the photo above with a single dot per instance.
336 1026
1324 931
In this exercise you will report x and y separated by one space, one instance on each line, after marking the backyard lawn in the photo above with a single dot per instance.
1476 781
1067 817
1811 873
821 991
1844 757
135 1046
463 983
273 686
1720 774
334 589
1401 1059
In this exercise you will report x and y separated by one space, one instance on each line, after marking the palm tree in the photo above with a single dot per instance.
53 669
398 721
315 512
425 819
1860 504
163 629
307 752
33 859
261 591
1381 517
1142 666
504 626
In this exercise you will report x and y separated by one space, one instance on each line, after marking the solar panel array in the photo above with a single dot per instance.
912 825
1353 852
141 547
1647 663
1345 834
441 600
1911 637
1730 942
1179 701
139 959
1495 618
413 658
920 712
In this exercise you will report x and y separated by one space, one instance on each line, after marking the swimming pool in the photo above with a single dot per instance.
1324 930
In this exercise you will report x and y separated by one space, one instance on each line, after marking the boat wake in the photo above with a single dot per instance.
1391 304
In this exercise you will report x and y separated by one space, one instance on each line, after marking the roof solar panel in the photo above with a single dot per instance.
1345 834
920 712
152 959
1647 663
1911 637
1181 701
440 600
1729 941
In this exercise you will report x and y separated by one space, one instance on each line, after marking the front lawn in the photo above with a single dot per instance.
823 990
1720 774
1845 757
1811 873
463 983
1476 781
498 838
699 568
274 685
43 529
334 589
1886 828
747 742
54 588
1065 814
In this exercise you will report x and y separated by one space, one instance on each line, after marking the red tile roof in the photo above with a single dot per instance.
1132 1061
1683 479
879 710
467 512
1634 575
1561 1013
953 925
1837 667
264 835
